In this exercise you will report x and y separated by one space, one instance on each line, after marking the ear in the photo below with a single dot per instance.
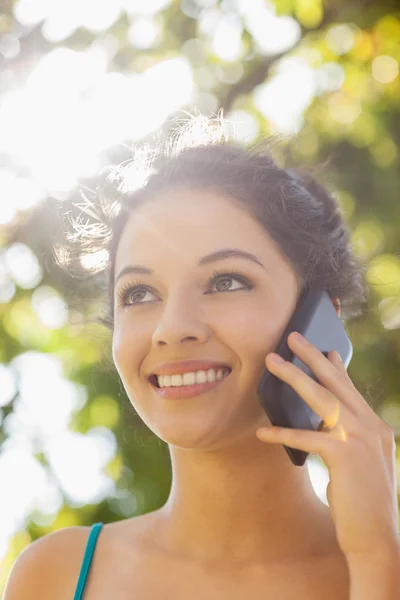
336 303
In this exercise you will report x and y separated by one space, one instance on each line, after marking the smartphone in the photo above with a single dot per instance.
316 319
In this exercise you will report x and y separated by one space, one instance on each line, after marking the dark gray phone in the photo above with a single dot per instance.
316 319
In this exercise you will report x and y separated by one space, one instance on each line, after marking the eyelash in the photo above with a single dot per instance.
131 287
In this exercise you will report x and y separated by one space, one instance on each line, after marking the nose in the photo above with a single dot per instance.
180 322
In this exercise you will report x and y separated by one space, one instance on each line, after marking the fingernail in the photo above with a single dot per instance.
337 355
275 358
299 338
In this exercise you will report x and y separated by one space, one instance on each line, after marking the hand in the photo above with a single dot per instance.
358 448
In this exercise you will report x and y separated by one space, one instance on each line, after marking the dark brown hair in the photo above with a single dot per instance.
297 211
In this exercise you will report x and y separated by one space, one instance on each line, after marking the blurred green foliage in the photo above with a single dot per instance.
354 119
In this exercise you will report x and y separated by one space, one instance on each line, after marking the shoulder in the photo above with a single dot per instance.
48 565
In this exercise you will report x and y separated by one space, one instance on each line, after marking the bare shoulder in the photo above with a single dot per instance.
49 567
45 566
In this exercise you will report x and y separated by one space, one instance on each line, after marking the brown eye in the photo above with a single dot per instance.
132 290
128 292
226 277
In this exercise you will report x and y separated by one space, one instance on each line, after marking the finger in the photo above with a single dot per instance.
320 399
314 442
336 359
339 384
365 408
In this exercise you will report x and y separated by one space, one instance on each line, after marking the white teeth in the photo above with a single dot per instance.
192 378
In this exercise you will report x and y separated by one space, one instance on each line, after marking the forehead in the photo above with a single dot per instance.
181 224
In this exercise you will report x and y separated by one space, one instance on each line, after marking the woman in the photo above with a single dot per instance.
241 520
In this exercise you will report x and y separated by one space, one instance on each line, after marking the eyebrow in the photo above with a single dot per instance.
222 254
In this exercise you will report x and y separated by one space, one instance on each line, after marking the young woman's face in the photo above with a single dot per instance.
177 313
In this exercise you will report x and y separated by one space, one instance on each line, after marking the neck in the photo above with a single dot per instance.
246 504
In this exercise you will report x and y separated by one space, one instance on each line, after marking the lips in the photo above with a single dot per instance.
187 366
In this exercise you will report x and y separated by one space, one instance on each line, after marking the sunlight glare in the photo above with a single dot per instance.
56 124
23 265
79 461
283 99
50 307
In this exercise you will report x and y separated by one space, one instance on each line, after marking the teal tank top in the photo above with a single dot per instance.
87 559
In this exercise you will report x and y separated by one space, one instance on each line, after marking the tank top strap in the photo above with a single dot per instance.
87 559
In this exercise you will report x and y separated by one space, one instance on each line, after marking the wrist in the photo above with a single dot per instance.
375 575
380 554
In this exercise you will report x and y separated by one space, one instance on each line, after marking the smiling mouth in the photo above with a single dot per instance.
154 380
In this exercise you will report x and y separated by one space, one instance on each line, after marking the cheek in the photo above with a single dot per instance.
253 336
126 352
253 331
